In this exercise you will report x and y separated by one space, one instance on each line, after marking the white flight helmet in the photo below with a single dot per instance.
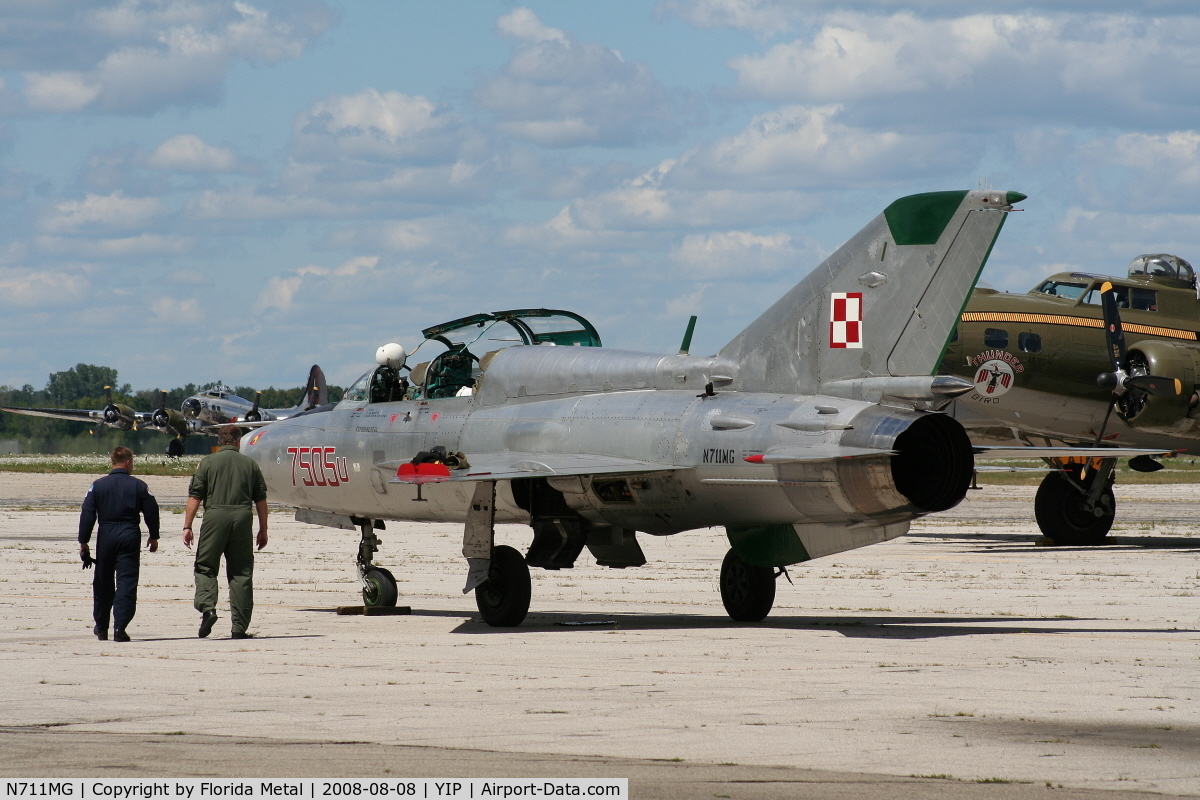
391 355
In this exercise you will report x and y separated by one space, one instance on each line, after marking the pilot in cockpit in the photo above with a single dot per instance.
387 384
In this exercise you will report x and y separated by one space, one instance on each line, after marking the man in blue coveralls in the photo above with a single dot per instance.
116 500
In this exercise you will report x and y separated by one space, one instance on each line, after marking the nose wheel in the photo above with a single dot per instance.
503 599
378 584
747 591
379 588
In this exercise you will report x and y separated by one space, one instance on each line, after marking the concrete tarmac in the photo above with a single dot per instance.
962 660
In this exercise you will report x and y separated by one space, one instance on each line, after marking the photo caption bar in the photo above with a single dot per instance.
315 789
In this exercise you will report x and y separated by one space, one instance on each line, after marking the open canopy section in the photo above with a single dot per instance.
518 326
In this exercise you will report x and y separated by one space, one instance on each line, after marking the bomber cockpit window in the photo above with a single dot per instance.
1128 297
1161 265
1069 290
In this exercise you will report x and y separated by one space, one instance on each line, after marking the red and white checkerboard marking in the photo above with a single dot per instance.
845 319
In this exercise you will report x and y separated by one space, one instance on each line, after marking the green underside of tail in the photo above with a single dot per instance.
921 218
766 545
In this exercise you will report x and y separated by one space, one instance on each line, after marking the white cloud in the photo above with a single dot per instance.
281 290
187 152
59 91
98 212
763 17
32 289
134 57
795 146
523 25
177 311
734 254
382 126
143 245
1154 171
1094 69
246 203
557 91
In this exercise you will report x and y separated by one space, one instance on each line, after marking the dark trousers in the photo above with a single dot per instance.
114 586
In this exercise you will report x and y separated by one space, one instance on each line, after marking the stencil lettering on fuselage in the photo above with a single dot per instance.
717 456
318 466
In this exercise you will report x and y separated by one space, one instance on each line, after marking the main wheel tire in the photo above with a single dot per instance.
175 448
380 589
503 599
1062 515
747 591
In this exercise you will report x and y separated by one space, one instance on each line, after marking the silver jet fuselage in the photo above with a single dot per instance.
649 408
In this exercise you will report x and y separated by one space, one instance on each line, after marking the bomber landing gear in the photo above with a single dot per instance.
503 599
1076 507
378 584
175 448
747 591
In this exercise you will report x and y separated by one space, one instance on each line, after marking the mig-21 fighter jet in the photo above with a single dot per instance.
816 430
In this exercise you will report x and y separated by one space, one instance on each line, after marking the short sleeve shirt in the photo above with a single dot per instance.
228 478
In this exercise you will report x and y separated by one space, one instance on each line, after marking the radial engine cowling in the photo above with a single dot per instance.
120 416
930 472
166 418
1161 413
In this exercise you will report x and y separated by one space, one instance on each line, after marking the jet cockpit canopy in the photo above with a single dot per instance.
470 342
1162 265
520 326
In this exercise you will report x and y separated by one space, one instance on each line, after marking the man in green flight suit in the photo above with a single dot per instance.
228 484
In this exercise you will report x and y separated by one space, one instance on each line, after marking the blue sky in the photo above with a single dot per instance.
193 190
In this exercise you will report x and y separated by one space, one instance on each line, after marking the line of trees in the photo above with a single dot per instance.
82 386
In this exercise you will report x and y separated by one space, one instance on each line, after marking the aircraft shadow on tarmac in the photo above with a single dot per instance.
912 627
1024 543
259 637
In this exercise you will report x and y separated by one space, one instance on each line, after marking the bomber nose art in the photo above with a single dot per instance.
818 429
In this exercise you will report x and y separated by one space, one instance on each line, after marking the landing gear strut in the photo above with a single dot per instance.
378 584
747 591
1075 506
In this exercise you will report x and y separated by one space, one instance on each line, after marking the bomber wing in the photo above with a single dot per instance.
77 414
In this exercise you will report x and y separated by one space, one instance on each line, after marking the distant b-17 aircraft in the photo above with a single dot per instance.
1052 366
201 413
816 430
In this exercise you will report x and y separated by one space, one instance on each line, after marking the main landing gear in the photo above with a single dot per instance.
1075 505
378 584
503 599
747 591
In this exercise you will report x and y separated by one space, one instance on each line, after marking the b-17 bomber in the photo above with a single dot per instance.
200 413
817 429
1084 360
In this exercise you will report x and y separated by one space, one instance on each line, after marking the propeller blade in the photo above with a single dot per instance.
1114 335
1155 385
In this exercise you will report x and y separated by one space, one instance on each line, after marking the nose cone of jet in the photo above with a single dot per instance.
1014 197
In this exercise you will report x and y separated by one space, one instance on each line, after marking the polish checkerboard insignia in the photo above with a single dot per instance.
845 320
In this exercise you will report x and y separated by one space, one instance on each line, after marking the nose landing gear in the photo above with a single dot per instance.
378 584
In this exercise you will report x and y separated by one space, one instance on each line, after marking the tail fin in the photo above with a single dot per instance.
884 304
315 391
